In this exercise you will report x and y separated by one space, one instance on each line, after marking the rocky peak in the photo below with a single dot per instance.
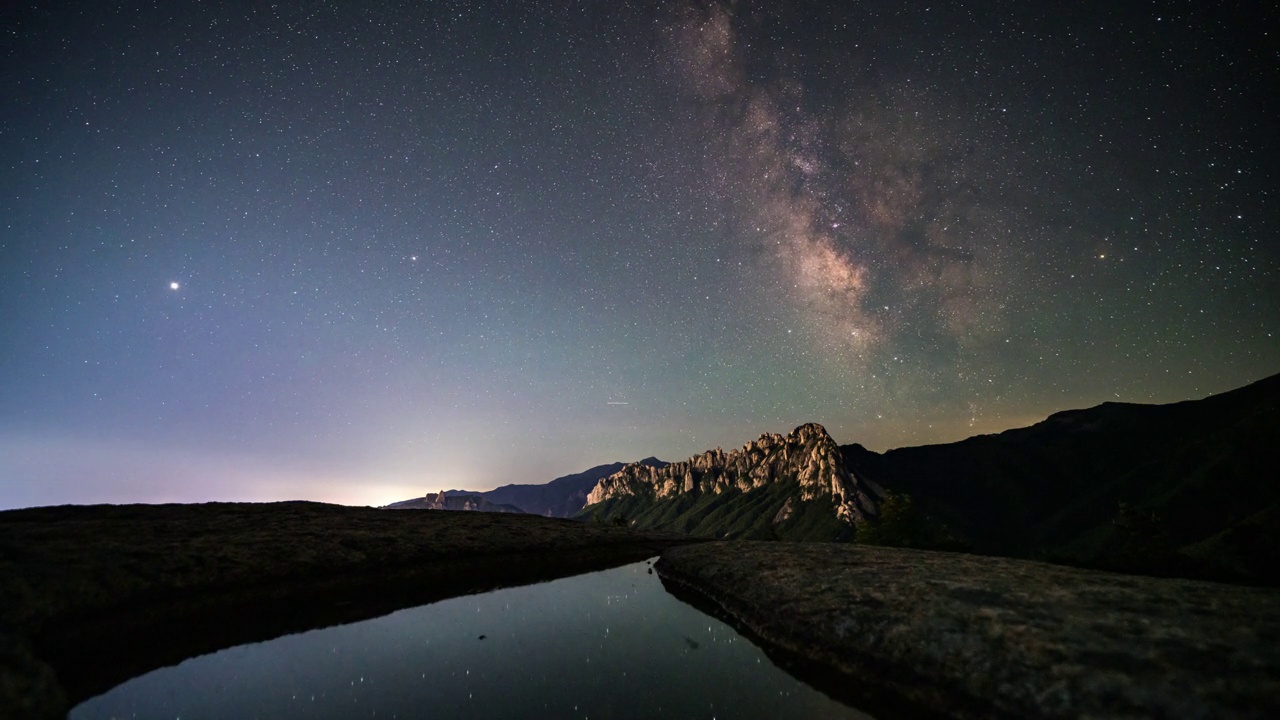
806 455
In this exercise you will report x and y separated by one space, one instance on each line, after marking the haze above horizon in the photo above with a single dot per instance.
355 252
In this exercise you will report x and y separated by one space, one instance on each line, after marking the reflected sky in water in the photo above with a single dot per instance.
611 644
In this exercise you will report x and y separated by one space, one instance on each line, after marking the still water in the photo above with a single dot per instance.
610 644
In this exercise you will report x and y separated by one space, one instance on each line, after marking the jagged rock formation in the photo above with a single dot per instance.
802 468
443 501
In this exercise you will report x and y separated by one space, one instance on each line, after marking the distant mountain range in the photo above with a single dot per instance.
562 497
443 501
1184 489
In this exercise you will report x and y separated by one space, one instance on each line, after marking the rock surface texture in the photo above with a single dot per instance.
807 455
973 636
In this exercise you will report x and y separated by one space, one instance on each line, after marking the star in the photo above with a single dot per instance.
859 207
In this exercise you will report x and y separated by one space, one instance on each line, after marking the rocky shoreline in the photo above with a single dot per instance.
94 595
968 636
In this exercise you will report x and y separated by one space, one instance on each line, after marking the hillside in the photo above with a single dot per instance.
1183 489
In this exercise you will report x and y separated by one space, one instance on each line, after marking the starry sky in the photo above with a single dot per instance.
356 252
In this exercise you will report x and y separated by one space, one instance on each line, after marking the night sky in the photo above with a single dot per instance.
359 251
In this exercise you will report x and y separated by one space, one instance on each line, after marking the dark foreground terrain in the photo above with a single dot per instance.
94 595
967 636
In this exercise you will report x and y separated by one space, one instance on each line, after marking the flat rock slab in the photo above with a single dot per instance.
972 636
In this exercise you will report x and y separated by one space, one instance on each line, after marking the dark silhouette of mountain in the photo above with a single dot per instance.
1185 489
441 501
792 487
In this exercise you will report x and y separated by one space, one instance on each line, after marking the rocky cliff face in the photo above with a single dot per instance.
807 455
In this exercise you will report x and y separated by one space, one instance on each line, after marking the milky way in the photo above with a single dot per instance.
757 159
358 252
870 215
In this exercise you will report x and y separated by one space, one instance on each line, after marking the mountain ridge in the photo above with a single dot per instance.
562 497
1179 488
771 478
442 501
1176 489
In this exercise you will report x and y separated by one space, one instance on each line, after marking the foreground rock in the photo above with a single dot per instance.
93 595
972 636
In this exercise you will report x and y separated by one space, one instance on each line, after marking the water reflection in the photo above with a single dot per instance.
610 644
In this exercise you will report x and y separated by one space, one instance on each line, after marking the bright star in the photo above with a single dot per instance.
174 286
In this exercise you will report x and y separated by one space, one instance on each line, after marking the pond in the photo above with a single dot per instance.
608 644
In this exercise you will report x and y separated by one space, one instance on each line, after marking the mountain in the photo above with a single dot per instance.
1187 488
562 497
442 501
793 487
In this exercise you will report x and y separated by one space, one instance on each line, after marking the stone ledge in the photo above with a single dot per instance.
972 636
